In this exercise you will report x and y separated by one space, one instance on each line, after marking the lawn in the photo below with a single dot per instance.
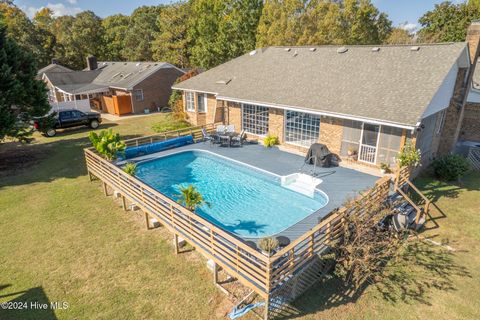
62 240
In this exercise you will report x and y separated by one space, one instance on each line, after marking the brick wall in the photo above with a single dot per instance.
471 122
214 112
234 115
276 123
156 90
452 116
331 131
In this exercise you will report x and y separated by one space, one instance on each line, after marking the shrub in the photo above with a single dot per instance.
409 156
386 167
270 140
170 123
451 167
130 168
268 244
107 143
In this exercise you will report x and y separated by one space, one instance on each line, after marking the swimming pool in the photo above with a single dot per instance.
244 200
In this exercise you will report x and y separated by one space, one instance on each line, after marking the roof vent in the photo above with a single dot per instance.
375 49
253 52
223 81
342 50
137 64
295 53
287 49
414 48
313 49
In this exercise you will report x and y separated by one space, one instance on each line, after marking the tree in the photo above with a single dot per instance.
448 21
21 95
399 36
116 28
171 43
20 28
322 24
79 37
43 23
222 30
141 33
280 23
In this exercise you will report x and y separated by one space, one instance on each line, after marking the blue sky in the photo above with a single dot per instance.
399 11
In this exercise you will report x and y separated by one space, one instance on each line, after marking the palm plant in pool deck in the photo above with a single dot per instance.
268 245
191 198
409 156
130 168
107 143
270 141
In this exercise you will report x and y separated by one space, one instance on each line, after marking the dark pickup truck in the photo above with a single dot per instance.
67 119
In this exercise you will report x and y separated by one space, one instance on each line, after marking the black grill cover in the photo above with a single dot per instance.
321 153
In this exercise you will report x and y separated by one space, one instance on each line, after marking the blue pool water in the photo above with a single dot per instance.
245 201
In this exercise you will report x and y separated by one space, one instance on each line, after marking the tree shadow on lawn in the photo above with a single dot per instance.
43 162
410 279
29 304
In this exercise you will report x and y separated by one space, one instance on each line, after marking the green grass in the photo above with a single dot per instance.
62 240
169 123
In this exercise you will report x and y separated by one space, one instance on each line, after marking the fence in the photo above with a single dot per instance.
410 192
293 269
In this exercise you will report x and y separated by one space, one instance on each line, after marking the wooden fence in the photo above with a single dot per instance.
264 275
410 192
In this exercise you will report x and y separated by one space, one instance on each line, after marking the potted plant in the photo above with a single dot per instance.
270 141
385 168
351 152
130 168
107 143
268 245
409 156
191 198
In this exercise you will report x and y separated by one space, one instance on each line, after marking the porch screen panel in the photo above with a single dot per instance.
352 131
255 119
301 128
389 145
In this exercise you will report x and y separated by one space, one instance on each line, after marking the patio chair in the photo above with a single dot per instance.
220 128
209 137
231 128
238 140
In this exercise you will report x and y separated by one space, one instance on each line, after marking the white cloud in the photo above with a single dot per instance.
59 9
72 1
410 27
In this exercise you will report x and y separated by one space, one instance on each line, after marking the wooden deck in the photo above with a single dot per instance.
339 183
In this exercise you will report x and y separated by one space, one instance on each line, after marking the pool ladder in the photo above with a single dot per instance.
313 172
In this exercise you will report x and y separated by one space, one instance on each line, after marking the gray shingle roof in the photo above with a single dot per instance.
120 75
53 67
394 84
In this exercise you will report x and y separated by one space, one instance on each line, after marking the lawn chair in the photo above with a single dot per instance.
209 137
231 128
238 140
221 129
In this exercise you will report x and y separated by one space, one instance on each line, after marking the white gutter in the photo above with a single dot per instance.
322 113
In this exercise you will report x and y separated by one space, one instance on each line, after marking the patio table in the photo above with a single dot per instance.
227 137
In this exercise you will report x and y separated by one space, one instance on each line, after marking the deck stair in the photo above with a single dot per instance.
405 215
301 183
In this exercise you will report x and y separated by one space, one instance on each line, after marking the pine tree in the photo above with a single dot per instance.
22 96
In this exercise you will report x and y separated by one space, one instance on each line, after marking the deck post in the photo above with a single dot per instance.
267 307
124 203
90 176
175 243
215 273
147 221
105 189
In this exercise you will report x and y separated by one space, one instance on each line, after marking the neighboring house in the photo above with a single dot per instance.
114 87
368 101
52 67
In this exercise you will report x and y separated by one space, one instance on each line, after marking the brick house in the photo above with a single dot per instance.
114 87
364 102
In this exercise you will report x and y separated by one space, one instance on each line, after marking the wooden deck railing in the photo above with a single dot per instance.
287 262
402 179
253 269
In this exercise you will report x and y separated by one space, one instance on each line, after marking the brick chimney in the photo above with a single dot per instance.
473 39
92 63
